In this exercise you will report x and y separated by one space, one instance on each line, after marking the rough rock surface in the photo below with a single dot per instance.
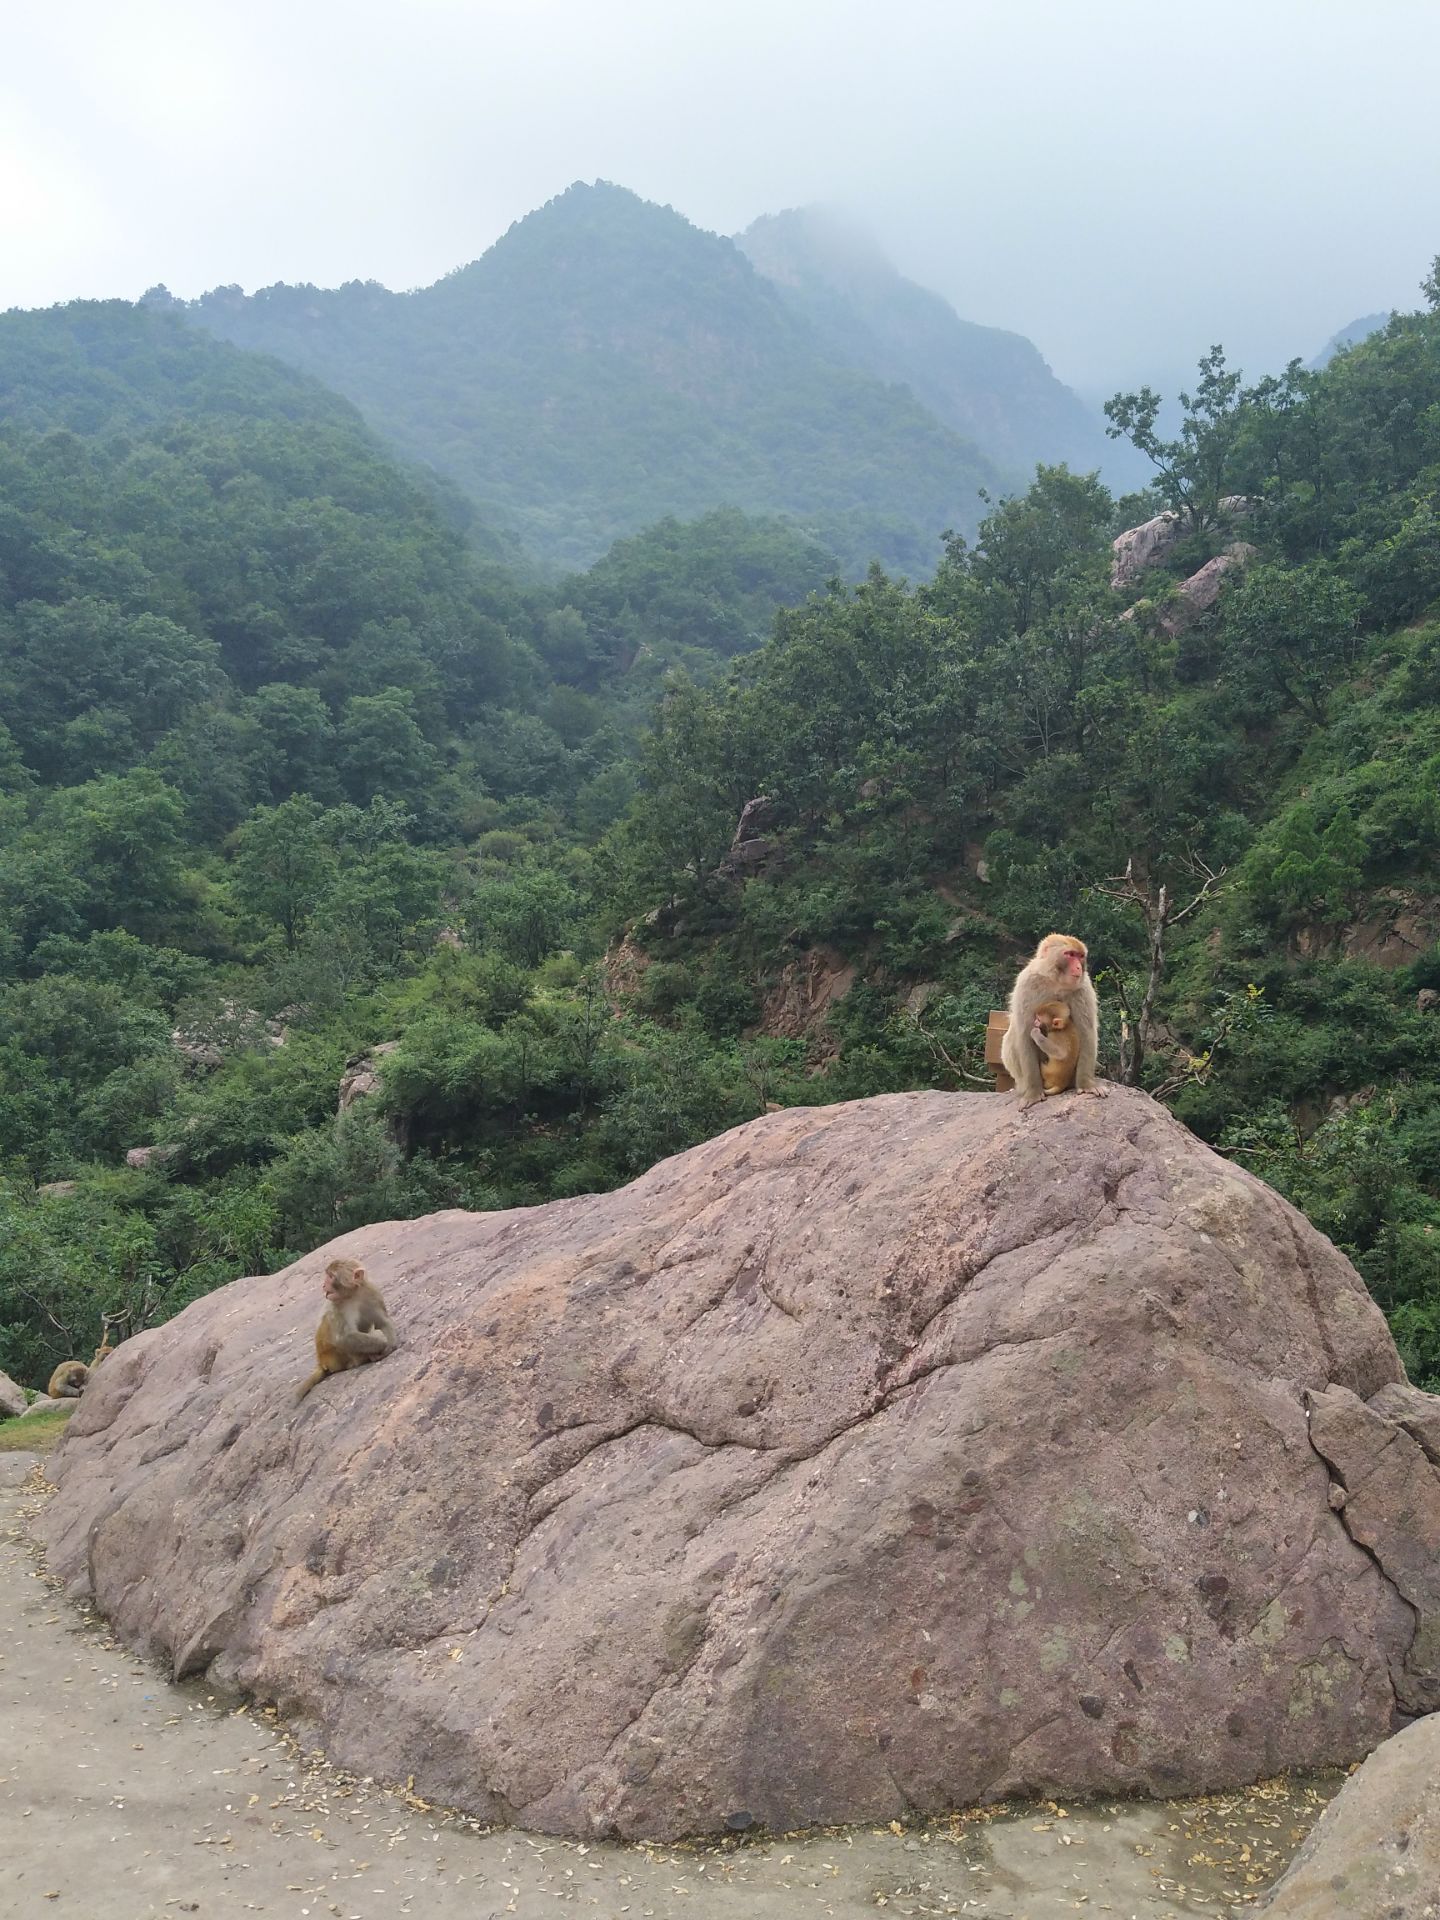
868 1458
1375 1851
752 844
1197 595
1138 549
798 1003
142 1158
361 1077
12 1398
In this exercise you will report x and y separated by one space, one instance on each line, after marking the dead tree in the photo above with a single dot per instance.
1159 912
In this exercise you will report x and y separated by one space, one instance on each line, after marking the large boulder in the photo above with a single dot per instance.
874 1457
1374 1854
1138 549
12 1398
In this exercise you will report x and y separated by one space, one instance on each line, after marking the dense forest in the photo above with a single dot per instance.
296 765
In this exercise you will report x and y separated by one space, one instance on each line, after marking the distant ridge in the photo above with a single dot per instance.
990 385
1350 336
606 363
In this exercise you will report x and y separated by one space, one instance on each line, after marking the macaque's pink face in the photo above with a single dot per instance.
1067 961
339 1287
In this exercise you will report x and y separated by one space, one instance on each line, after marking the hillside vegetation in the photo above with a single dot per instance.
606 364
319 774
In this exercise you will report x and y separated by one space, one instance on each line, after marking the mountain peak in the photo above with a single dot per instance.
820 238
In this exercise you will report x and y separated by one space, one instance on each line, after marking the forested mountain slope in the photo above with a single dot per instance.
313 777
270 716
990 385
606 364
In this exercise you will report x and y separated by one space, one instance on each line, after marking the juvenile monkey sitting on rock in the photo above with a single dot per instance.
354 1328
1057 972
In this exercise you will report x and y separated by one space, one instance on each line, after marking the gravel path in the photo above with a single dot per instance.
124 1796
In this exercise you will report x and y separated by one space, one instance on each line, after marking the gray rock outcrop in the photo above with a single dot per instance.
752 844
1138 549
143 1158
12 1398
1197 595
1374 1853
361 1078
867 1459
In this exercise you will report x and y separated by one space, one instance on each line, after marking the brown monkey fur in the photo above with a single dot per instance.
67 1382
1056 972
102 1352
1053 1032
354 1328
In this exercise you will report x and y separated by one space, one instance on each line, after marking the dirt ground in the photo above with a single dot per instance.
124 1796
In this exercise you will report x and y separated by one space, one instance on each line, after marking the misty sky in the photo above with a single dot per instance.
1122 182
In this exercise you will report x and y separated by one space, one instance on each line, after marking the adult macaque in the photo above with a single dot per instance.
354 1328
1053 1032
67 1382
102 1352
1056 973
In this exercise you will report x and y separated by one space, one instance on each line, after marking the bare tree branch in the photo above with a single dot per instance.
1159 914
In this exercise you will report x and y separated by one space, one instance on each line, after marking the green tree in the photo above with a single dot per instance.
284 863
1193 471
1291 634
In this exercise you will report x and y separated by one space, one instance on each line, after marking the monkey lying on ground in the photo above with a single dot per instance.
354 1328
67 1382
1056 973
1053 1032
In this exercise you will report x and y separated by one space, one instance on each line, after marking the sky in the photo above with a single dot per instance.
1124 183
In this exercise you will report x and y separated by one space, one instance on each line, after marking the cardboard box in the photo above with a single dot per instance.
996 1027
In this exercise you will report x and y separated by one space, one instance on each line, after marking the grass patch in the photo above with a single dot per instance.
37 1433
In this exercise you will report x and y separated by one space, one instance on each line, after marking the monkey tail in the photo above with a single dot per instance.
316 1377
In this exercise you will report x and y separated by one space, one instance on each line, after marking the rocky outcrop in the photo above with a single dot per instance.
1374 1854
1194 597
871 1458
1149 545
145 1158
752 844
12 1398
1140 548
361 1078
1397 929
797 1004
204 1042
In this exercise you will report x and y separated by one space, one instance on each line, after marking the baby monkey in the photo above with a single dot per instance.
354 1328
1053 1032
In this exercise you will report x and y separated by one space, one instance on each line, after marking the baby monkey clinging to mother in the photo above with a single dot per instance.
1054 982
